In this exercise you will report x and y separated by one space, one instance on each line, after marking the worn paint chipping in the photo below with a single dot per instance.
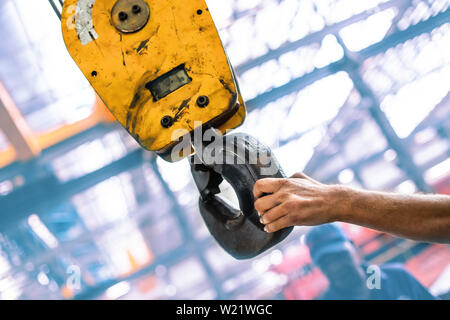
83 21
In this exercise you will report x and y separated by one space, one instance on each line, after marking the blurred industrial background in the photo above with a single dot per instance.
349 91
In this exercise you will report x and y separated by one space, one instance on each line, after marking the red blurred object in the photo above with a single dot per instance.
304 281
428 265
442 186
309 287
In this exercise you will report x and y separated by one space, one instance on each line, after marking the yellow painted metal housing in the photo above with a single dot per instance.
122 67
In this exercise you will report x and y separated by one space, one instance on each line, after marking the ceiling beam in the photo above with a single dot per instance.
16 129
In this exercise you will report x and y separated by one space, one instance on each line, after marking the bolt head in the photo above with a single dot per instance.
167 121
136 9
123 16
202 101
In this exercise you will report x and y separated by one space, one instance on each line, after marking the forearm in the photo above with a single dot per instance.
302 201
419 217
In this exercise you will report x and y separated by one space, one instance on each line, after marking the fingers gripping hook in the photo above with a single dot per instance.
241 160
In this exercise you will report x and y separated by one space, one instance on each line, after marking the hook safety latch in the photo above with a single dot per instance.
241 160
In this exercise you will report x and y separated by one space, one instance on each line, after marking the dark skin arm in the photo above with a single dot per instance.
302 201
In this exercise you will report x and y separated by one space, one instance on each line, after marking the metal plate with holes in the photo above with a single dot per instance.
163 80
130 15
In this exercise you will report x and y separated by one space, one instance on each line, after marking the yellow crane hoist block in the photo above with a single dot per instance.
158 65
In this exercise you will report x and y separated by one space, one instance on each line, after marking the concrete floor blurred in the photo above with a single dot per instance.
352 92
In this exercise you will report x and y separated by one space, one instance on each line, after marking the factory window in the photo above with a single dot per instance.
108 202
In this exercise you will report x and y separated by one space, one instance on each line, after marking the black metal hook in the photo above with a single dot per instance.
238 231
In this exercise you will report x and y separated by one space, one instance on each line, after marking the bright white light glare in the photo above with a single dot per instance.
306 20
126 248
112 200
228 194
53 287
276 257
230 284
379 174
274 279
336 11
170 290
160 270
407 187
330 51
43 279
9 288
175 174
4 264
29 266
40 229
74 98
261 265
206 295
429 152
425 136
312 107
4 143
303 239
346 176
118 290
441 285
6 187
107 202
187 274
414 101
362 34
221 11
438 171
390 155
294 156
89 156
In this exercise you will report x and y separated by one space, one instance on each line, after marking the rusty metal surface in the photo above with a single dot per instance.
126 54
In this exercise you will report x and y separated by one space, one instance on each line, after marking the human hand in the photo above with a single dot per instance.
297 201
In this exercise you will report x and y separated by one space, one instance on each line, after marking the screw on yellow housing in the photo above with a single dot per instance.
158 65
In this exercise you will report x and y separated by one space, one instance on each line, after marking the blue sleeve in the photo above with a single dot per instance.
415 288
420 292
